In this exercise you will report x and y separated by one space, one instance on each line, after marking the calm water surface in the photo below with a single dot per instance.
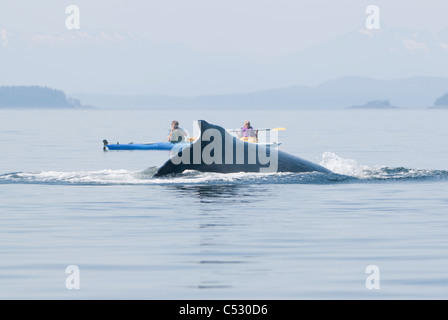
63 201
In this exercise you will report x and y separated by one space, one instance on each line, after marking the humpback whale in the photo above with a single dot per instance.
216 150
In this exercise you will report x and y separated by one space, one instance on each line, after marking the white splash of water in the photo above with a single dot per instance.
77 177
343 166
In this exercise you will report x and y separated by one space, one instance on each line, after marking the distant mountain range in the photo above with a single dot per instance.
123 66
334 94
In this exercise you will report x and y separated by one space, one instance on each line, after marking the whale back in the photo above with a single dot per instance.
216 150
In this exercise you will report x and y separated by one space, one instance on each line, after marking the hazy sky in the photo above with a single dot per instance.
198 47
248 27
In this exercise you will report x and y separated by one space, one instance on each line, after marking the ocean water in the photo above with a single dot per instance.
63 201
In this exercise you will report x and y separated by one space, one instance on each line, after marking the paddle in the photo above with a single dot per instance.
266 129
274 129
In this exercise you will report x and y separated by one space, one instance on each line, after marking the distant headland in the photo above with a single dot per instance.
376 104
25 97
441 103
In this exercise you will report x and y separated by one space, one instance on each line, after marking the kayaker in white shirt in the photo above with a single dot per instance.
177 134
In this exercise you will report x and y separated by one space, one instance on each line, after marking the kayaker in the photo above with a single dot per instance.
247 131
177 134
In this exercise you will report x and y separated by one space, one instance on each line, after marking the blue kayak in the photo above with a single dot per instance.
144 146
